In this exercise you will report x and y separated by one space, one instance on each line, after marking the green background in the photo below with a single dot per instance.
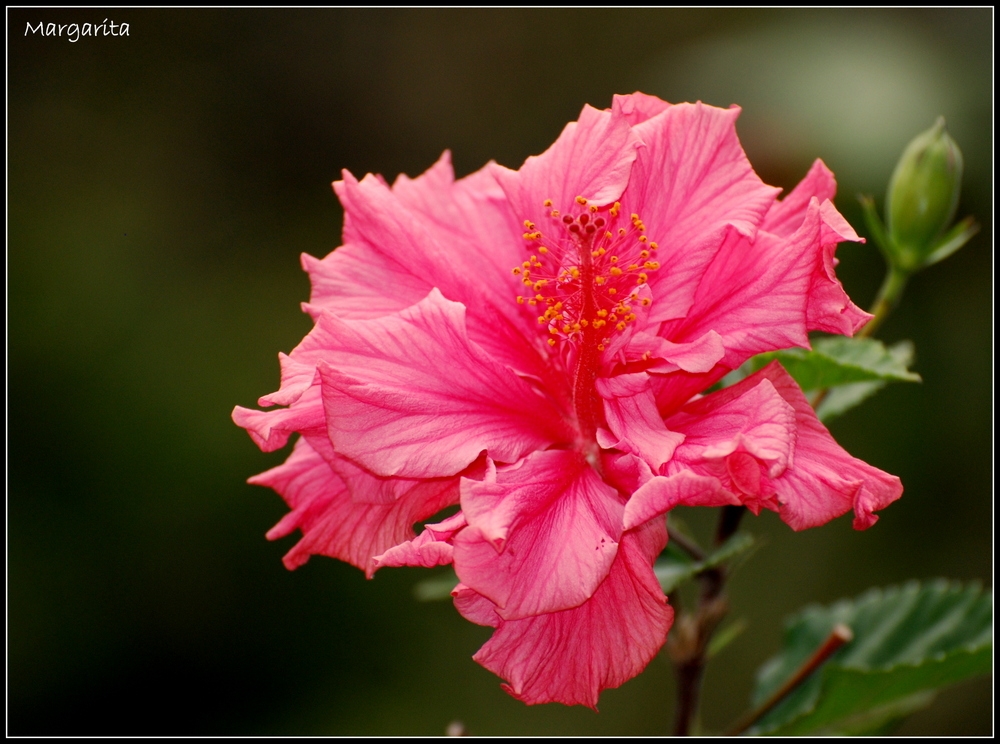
161 187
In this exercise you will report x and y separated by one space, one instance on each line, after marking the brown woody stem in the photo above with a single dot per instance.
689 639
840 635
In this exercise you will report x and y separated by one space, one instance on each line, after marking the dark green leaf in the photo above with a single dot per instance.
837 360
908 642
844 397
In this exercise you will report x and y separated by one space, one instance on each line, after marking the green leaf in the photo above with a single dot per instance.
837 360
908 642
960 234
435 588
850 369
842 398
875 227
673 568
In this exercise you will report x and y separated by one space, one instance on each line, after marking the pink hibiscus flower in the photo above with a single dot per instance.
532 345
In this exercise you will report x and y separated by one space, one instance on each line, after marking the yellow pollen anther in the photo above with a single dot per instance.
654 246
602 313
593 207
621 230
607 235
532 302
541 318
613 259
553 330
575 272
544 250
547 203
580 200
615 209
620 326
633 267
652 265
600 347
646 355
642 238
526 282
552 342
644 254
646 302
516 270
554 213
567 328
529 224
612 291
615 271
528 236
520 300
526 264
642 279
584 322
539 298
599 280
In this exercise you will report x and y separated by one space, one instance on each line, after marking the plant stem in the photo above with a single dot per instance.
689 640
686 544
840 635
888 296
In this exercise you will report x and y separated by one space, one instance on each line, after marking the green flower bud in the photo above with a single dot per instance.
922 196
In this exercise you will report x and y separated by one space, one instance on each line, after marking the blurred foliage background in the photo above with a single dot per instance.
161 187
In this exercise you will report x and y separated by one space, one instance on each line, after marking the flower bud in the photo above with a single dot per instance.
923 195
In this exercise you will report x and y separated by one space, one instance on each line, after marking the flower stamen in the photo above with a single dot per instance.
582 250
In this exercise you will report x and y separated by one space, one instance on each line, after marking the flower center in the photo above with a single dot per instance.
586 272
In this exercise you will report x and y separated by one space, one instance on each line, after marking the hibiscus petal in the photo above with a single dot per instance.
638 107
740 436
700 355
825 481
829 308
474 607
570 656
542 534
786 216
756 296
757 421
430 548
592 158
412 396
332 524
691 184
296 378
662 493
270 430
352 282
431 232
630 409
